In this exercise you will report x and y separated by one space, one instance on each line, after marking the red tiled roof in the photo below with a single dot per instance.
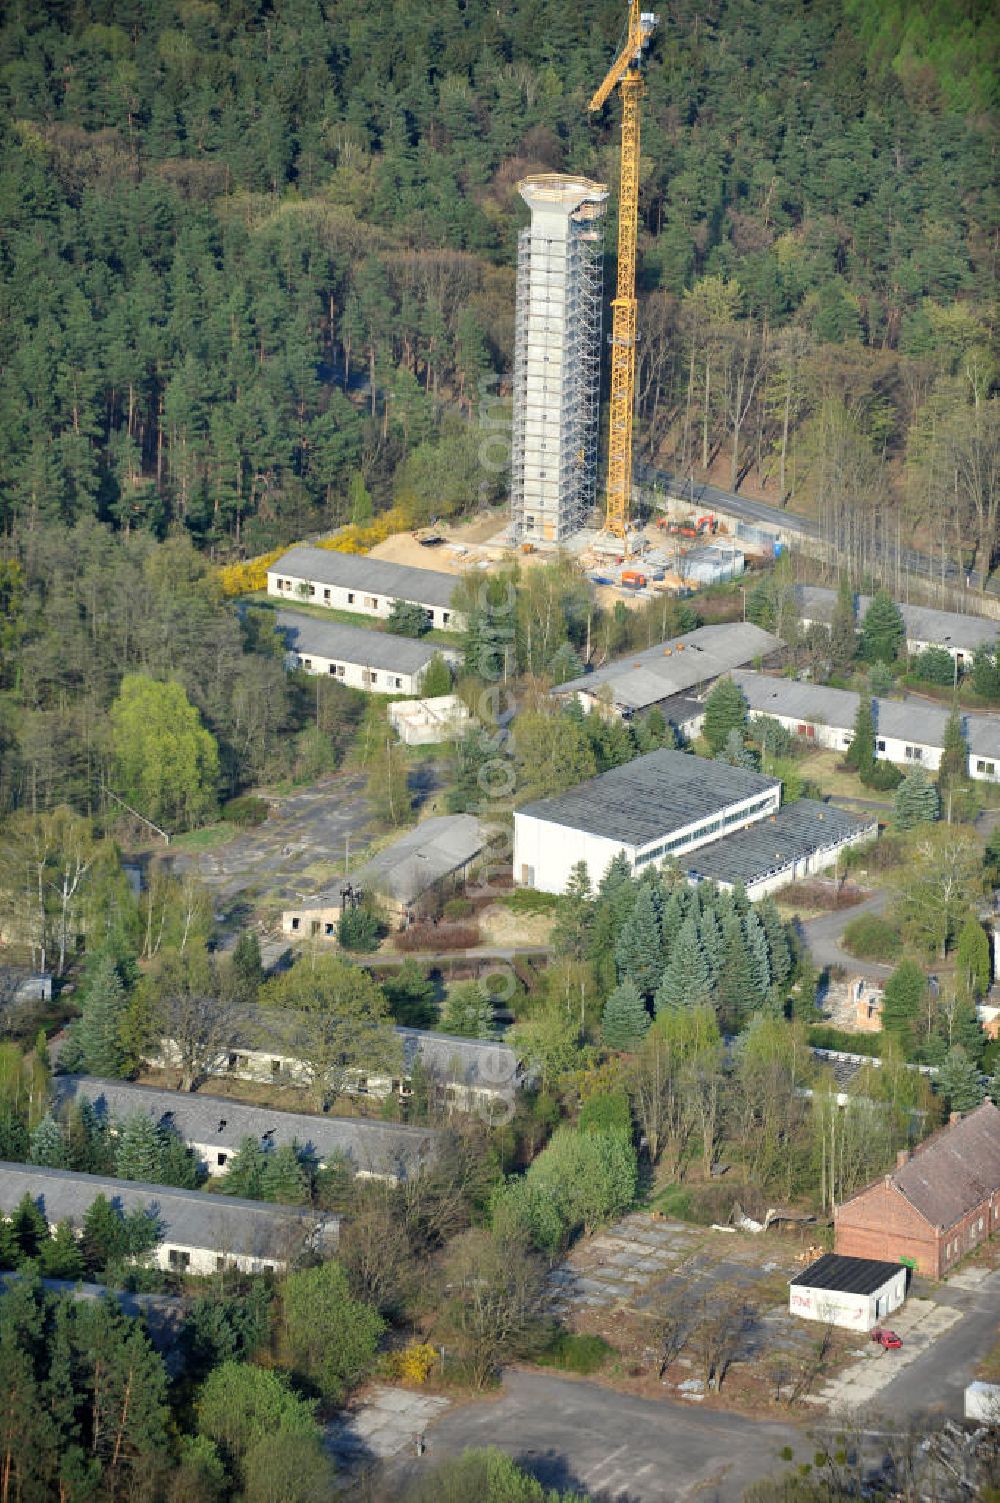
955 1170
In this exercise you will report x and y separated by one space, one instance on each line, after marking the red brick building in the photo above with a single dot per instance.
939 1202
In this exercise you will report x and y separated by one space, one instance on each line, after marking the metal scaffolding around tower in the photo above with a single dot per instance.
557 352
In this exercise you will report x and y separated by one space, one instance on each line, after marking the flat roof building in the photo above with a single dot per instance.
199 1233
856 1293
376 661
357 582
216 1126
799 840
662 805
679 666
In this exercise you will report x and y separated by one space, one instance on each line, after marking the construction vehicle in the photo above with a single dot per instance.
624 74
632 579
690 527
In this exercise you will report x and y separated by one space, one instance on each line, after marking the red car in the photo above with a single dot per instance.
887 1339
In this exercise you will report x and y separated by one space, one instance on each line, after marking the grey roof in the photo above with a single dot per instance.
353 644
471 1062
189 1218
917 721
412 864
797 830
923 623
677 665
359 571
215 1121
451 1060
650 797
954 1171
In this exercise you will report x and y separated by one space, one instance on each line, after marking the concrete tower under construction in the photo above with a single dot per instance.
557 357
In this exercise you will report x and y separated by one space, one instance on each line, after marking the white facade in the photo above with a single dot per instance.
854 1312
546 852
358 675
372 587
556 357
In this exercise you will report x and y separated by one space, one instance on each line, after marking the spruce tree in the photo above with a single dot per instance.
48 1145
60 1256
575 915
861 753
686 978
468 1011
756 941
972 960
675 910
103 1234
284 1179
98 1030
712 943
29 1227
915 801
139 1150
904 993
882 630
248 971
625 1020
778 949
725 711
953 769
637 953
843 632
736 994
958 1081
245 1173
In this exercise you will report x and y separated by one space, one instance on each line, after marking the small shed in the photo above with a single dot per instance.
856 1293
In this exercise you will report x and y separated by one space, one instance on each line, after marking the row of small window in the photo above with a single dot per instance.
953 1248
713 828
180 1260
370 601
368 676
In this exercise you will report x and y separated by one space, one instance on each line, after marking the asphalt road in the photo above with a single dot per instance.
933 1386
749 510
573 1434
823 937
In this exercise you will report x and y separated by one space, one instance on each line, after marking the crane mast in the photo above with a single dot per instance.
625 75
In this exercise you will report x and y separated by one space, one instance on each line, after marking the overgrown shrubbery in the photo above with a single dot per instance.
823 1037
247 811
573 1353
434 937
872 938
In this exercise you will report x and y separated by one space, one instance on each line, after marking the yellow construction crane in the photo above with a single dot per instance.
625 74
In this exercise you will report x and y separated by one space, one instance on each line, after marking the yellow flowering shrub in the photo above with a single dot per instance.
354 539
414 1363
251 574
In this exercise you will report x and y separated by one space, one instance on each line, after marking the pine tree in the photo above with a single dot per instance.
725 711
958 1081
685 980
637 953
861 753
139 1150
29 1227
625 1020
248 971
285 1179
98 1030
882 630
843 633
915 801
48 1146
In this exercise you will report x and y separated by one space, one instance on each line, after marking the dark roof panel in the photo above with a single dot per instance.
650 797
955 1170
359 571
846 1275
796 831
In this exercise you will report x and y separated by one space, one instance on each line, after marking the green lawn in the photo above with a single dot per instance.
261 600
205 839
